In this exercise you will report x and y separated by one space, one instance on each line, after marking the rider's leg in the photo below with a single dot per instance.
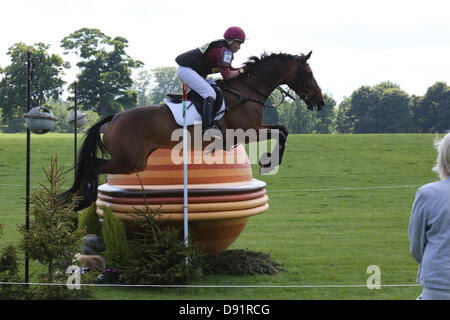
196 82
207 114
204 89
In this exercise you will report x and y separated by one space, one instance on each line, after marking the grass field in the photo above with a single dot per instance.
338 204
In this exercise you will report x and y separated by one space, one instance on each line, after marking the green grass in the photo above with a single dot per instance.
338 204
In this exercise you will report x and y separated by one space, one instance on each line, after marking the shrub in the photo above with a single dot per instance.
158 255
9 272
52 238
115 240
89 221
52 233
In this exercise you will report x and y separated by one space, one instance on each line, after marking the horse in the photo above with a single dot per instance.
133 134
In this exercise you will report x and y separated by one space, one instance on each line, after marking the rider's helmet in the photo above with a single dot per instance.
234 33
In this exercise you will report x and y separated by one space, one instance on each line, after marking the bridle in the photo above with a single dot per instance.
304 92
243 98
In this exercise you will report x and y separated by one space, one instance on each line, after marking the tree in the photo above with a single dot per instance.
363 103
46 83
383 108
394 112
431 113
62 111
141 84
296 117
325 119
271 116
344 123
52 238
105 78
167 81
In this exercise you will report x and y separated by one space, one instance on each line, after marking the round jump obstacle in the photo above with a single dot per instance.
221 197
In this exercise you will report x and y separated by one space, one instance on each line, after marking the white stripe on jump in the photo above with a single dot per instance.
292 190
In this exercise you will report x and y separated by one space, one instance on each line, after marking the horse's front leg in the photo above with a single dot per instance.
271 160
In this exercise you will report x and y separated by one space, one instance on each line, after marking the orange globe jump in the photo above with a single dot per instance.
221 196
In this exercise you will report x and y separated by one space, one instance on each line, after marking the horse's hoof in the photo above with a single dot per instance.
265 160
269 170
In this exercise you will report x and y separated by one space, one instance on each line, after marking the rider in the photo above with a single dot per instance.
216 56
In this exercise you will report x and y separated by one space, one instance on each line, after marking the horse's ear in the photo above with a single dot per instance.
308 56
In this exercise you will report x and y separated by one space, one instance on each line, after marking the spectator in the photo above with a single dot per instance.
429 229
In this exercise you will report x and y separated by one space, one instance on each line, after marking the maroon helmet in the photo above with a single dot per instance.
234 33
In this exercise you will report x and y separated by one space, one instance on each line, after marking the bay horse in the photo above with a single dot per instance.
132 135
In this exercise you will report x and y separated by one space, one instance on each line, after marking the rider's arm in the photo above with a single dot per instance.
221 58
230 74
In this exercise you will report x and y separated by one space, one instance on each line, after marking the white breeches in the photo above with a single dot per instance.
196 82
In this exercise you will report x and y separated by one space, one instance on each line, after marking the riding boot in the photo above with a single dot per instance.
207 114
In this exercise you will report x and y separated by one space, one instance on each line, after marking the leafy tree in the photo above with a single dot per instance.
296 117
325 119
167 81
105 79
414 102
271 116
382 108
344 123
431 113
46 83
142 84
394 112
363 103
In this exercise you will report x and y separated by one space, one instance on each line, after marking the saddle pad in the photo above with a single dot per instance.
192 115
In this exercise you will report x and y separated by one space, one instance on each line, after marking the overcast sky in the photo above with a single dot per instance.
354 43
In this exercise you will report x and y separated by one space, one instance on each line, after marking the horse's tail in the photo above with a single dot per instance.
88 151
92 142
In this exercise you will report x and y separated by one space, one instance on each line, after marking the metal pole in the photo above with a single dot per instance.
75 129
27 192
185 151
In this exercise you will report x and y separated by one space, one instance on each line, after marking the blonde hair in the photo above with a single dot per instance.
442 166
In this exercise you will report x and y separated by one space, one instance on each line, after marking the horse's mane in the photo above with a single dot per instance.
254 61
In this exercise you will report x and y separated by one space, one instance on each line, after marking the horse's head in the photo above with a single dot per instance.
304 84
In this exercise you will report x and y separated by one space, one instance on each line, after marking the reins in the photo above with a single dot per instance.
244 98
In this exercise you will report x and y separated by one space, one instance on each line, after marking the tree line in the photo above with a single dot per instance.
106 85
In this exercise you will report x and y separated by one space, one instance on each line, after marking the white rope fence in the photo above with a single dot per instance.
210 286
343 189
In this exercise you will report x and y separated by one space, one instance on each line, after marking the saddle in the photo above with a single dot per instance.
197 100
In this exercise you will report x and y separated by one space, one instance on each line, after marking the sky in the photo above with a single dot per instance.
354 42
